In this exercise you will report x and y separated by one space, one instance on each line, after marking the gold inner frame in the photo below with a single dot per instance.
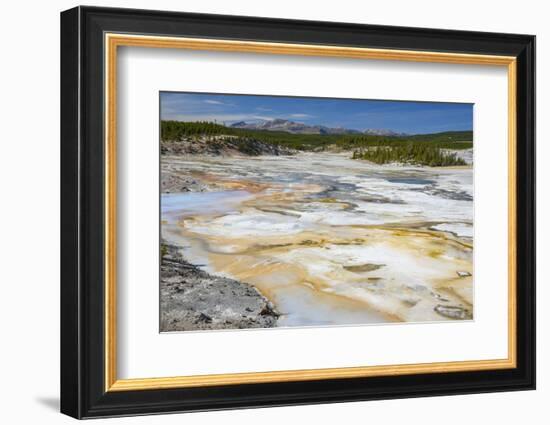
113 41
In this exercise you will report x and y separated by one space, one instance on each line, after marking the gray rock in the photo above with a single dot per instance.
192 299
222 145
453 312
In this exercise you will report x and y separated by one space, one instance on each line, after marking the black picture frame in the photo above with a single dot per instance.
83 392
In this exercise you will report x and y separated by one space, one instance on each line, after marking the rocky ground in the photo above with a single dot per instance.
192 299
222 146
172 181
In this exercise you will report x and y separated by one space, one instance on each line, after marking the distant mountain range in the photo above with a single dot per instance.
301 128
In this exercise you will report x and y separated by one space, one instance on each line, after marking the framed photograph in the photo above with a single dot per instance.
261 212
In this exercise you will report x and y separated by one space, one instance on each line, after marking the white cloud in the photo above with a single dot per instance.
301 116
213 102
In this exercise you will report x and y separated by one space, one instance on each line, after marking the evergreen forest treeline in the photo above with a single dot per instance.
423 149
410 153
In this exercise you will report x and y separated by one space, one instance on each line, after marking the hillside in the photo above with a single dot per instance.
176 132
222 145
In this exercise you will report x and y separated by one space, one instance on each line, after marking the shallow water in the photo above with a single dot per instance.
176 205
328 239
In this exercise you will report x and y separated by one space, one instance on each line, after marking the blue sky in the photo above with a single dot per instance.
400 116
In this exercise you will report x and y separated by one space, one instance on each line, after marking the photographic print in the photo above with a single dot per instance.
313 201
301 211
